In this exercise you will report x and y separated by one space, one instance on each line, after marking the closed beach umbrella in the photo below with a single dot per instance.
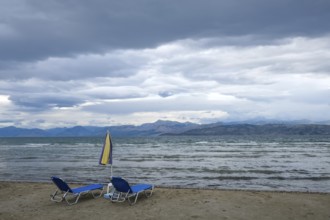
106 154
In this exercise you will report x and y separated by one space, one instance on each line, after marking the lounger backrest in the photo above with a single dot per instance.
121 185
63 186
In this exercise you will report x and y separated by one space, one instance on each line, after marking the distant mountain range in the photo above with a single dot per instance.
148 129
175 128
267 129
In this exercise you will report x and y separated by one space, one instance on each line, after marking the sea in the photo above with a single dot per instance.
274 163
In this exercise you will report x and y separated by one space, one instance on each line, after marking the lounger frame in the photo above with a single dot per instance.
132 192
71 196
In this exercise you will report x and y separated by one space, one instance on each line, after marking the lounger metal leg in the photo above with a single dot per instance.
55 197
77 196
95 195
58 196
118 197
135 198
148 193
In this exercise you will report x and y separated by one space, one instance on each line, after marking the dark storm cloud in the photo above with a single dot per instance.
38 29
40 102
80 67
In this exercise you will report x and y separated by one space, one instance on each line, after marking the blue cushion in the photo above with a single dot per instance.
87 188
140 187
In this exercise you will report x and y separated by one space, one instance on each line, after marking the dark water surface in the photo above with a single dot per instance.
290 163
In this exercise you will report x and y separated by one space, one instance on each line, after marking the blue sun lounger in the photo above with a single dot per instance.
124 191
66 193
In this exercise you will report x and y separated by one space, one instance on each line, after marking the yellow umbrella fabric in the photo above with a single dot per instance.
106 154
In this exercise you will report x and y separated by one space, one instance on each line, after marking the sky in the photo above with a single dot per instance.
106 62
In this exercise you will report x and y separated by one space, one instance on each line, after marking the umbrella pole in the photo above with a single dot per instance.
111 171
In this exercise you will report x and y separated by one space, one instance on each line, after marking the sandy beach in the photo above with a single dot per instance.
20 200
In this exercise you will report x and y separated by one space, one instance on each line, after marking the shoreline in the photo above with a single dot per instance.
179 187
31 200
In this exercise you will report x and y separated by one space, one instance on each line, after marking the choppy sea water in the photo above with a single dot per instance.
289 163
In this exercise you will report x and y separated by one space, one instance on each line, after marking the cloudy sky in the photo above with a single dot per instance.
110 62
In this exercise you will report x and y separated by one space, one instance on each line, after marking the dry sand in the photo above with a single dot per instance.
32 201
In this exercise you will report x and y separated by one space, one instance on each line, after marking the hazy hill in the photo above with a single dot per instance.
19 132
268 129
149 129
172 128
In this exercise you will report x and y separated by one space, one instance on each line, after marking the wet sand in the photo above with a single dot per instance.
32 201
